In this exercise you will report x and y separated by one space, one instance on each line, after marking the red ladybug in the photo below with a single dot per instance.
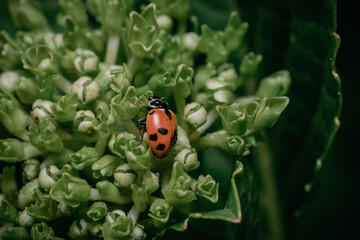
161 127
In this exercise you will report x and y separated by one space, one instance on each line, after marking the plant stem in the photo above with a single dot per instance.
101 143
141 90
211 118
269 200
215 139
135 63
63 84
112 49
30 151
134 213
131 127
180 105
193 184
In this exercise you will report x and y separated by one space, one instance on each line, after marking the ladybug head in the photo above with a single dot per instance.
157 102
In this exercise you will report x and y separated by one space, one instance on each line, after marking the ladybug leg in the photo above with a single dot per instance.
142 122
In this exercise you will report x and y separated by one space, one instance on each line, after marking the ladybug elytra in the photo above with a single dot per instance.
160 125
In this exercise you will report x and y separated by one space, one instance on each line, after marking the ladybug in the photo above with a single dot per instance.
160 125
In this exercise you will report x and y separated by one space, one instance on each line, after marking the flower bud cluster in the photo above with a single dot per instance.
69 103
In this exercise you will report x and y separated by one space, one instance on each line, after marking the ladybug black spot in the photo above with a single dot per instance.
160 147
151 113
167 112
153 137
163 131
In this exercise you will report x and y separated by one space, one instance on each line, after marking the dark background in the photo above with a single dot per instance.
333 210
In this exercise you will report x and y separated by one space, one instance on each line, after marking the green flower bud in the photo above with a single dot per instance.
277 84
234 33
26 193
160 211
40 60
83 158
47 178
160 81
269 112
138 157
28 90
111 216
86 62
203 74
41 110
227 73
12 233
207 187
12 116
64 110
165 22
124 104
9 81
188 159
76 10
120 142
143 36
178 192
120 227
151 180
54 41
79 229
175 54
25 220
211 43
183 78
195 115
27 14
109 192
237 118
94 7
70 190
250 64
42 231
85 121
11 150
7 212
95 229
86 89
140 196
236 146
95 40
190 41
97 211
105 166
44 209
138 232
9 58
215 84
112 15
124 176
66 210
60 160
182 141
46 138
73 36
222 91
121 78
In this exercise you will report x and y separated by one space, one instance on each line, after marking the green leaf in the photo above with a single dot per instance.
231 211
311 119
